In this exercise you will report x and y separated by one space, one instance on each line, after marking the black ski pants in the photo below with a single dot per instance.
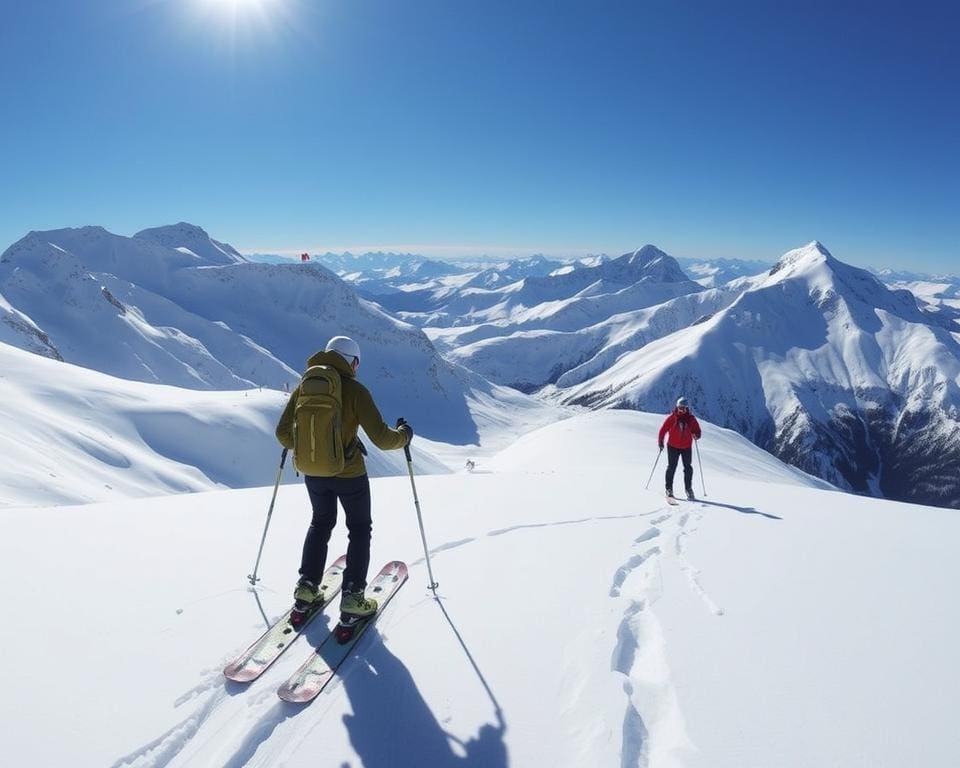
354 495
673 456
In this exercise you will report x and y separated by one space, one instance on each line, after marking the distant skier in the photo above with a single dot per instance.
320 426
680 428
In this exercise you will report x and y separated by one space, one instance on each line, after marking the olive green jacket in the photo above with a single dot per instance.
359 410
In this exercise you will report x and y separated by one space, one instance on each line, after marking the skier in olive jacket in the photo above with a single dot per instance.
680 428
351 486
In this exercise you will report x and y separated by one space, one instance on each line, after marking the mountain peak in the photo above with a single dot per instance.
190 237
828 281
180 229
646 254
811 255
647 262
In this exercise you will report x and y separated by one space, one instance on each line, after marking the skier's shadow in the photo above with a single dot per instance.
392 726
741 510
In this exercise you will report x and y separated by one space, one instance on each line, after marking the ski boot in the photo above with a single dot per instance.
307 597
355 609
690 496
671 499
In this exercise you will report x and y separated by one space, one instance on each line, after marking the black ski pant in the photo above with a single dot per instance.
673 456
354 495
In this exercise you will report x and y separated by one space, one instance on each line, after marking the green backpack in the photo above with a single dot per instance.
318 423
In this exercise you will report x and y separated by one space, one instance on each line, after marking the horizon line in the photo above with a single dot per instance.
457 251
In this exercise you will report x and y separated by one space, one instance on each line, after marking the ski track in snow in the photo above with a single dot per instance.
165 748
689 522
522 527
639 568
640 654
634 751
631 565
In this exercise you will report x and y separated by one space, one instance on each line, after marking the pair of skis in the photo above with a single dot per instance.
319 669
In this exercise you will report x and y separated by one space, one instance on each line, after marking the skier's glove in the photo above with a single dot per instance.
660 446
407 430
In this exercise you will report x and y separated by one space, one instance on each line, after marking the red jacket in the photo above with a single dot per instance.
682 429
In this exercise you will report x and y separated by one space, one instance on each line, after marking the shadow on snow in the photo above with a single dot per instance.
741 510
392 726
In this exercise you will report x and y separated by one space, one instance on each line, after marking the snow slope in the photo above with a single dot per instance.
581 622
18 330
71 435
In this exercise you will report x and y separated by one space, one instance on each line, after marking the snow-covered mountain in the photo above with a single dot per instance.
939 294
569 342
774 623
711 273
823 365
380 263
106 302
658 274
376 273
508 272
172 306
937 286
538 345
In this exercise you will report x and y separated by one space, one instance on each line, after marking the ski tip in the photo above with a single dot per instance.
301 695
397 567
239 674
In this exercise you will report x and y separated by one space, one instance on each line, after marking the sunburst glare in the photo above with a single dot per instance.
244 22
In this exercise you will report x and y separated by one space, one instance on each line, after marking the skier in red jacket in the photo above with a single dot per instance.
680 428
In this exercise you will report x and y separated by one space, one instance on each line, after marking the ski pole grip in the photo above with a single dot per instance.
283 457
406 449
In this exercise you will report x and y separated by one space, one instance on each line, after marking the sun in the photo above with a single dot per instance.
241 10
238 4
244 23
241 7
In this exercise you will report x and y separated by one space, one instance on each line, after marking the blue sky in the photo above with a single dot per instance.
454 127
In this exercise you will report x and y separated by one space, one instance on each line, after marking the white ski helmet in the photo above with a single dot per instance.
346 347
682 403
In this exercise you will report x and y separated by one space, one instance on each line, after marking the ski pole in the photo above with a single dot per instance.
700 462
432 586
654 469
253 577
